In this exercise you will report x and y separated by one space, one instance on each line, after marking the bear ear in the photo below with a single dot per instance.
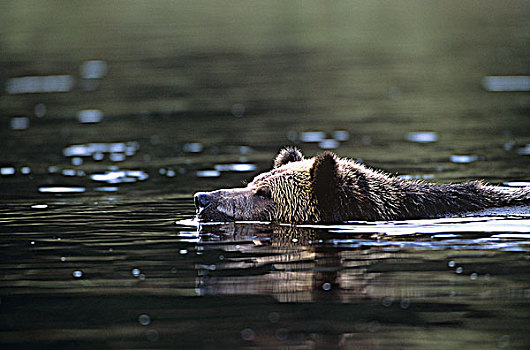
287 155
325 184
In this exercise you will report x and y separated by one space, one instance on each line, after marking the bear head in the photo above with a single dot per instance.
296 190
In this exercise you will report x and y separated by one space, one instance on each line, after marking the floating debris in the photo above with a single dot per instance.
36 84
90 116
120 176
463 159
19 123
61 189
421 136
506 83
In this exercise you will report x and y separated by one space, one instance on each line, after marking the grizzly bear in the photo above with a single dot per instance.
329 189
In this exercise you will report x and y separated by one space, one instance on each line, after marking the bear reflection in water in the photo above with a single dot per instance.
330 189
286 262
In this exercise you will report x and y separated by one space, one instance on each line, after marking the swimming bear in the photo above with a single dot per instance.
329 189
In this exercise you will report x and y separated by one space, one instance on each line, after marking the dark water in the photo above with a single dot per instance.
112 115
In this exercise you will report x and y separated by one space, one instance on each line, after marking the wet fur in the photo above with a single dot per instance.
330 189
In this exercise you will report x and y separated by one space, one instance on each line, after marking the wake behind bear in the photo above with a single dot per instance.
329 189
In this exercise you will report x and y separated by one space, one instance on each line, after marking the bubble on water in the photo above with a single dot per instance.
53 169
19 123
404 303
273 317
451 263
32 242
90 116
77 161
394 93
7 171
208 173
238 110
281 334
245 150
421 136
61 189
162 171
326 286
170 173
387 301
374 326
247 334
473 276
152 335
312 136
463 159
459 269
503 342
144 319
25 170
328 144
173 270
77 274
63 259
93 69
39 110
193 147
341 135
141 277
68 172
183 251
39 206
136 272
117 157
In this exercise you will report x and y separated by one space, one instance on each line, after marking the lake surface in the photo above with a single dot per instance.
112 115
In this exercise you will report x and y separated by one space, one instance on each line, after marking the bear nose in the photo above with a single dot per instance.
201 200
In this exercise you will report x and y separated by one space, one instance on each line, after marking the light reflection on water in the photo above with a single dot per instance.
91 257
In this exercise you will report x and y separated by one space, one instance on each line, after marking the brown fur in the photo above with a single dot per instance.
331 189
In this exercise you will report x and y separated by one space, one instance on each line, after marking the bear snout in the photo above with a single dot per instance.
201 200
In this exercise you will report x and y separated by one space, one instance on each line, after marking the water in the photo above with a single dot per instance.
113 116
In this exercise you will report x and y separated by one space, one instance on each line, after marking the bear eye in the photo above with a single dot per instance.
264 192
